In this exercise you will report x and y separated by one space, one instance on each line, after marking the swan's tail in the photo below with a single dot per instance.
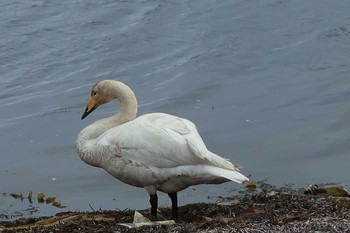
233 175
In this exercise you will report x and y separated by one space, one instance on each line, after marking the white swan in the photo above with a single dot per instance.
155 151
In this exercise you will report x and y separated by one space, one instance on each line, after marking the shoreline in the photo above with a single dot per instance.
267 208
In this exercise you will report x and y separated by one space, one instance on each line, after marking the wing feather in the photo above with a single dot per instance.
160 140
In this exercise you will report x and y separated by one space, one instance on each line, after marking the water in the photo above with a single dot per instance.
266 83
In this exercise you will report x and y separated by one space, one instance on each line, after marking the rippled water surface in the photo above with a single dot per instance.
266 82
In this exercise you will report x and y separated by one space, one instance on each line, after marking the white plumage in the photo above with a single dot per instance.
155 151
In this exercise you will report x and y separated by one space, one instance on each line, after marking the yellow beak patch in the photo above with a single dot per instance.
91 105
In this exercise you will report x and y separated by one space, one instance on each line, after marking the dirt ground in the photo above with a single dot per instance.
263 209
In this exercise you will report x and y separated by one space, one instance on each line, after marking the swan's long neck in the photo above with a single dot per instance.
87 139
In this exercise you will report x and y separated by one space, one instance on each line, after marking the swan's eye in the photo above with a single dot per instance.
93 93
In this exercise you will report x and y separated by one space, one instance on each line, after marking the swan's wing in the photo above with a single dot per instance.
193 140
160 140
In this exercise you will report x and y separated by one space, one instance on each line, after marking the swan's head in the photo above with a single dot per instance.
100 94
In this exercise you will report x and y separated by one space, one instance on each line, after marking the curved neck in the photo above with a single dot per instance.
127 99
86 141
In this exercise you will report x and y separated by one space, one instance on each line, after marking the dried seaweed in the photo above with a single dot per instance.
269 210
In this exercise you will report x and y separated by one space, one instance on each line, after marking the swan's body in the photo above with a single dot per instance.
155 151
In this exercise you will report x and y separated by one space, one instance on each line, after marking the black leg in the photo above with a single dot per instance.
174 208
154 204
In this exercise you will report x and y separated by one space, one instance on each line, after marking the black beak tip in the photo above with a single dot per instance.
85 114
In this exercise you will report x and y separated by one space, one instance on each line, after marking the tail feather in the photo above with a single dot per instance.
233 175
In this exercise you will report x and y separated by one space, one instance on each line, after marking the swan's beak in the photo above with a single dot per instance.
90 107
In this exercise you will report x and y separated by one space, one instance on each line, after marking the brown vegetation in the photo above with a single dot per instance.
271 209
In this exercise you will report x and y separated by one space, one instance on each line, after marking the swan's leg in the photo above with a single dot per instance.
174 208
154 203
